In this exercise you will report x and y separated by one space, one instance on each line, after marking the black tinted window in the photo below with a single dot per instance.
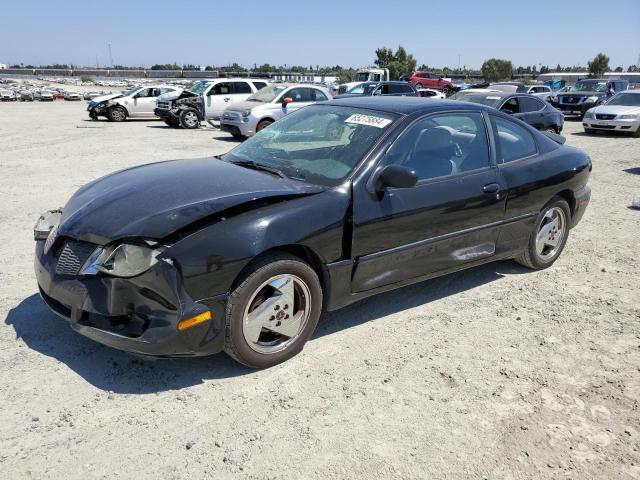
511 106
530 104
259 85
318 96
220 89
399 88
441 145
241 87
299 94
512 140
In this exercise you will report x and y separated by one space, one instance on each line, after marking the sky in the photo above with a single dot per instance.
327 32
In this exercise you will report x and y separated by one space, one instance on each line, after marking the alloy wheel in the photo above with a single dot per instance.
551 234
276 314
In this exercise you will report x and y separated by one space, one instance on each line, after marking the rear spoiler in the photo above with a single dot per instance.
555 137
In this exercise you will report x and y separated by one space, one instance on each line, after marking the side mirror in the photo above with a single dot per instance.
396 176
286 101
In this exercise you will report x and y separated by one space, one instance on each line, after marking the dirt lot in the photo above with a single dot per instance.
496 372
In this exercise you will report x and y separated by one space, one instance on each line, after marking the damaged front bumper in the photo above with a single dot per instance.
97 110
166 114
139 314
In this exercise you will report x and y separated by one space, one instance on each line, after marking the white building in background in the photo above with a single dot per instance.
3 66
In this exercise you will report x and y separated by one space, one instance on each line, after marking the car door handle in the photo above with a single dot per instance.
491 188
227 99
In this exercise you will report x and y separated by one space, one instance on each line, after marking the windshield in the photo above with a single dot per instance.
626 99
361 77
363 88
200 86
131 91
267 94
319 144
589 86
483 98
503 87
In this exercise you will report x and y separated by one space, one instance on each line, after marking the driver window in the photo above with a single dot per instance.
511 106
442 145
144 93
299 94
220 89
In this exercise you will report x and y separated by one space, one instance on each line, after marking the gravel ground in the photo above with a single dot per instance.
496 372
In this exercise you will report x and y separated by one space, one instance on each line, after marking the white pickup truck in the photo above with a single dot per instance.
365 75
205 100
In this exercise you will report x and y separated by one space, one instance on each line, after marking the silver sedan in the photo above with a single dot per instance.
621 113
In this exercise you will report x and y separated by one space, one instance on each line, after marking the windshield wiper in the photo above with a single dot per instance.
259 166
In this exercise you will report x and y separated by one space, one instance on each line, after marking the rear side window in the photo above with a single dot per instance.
299 95
318 96
530 104
511 106
259 85
513 142
241 87
400 88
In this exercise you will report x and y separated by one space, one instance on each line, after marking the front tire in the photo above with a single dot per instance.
549 236
117 114
189 118
263 124
273 311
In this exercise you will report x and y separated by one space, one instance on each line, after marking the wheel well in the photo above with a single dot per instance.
117 105
265 118
570 198
304 253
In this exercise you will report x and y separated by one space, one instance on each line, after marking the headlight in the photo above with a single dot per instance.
592 99
628 116
246 113
122 260
589 114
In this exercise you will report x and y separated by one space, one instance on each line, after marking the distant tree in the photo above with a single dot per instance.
633 68
558 68
398 63
544 69
619 69
167 66
598 65
496 69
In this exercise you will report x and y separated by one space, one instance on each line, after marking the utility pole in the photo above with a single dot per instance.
110 56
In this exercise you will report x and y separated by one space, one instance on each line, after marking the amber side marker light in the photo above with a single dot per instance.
193 321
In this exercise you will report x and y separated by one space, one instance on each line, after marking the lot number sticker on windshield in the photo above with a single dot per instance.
369 120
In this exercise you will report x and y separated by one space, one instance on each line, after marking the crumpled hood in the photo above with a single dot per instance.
110 96
167 97
155 200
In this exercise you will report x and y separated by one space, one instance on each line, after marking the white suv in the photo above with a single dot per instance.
205 100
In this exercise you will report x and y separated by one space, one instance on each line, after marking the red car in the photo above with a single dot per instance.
430 80
58 95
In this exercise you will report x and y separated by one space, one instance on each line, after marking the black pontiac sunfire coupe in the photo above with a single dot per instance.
331 204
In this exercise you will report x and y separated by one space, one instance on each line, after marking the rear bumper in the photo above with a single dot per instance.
582 197
138 315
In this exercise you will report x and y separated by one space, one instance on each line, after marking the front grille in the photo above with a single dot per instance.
571 100
229 116
164 105
73 256
605 116
605 127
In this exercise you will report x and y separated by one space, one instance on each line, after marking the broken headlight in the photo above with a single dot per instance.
122 260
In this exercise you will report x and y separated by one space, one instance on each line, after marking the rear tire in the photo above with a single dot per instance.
189 118
447 90
256 307
549 236
418 86
117 114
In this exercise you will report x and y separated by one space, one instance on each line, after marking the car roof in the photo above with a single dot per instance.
405 105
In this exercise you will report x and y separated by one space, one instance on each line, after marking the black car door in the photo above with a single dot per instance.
450 217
